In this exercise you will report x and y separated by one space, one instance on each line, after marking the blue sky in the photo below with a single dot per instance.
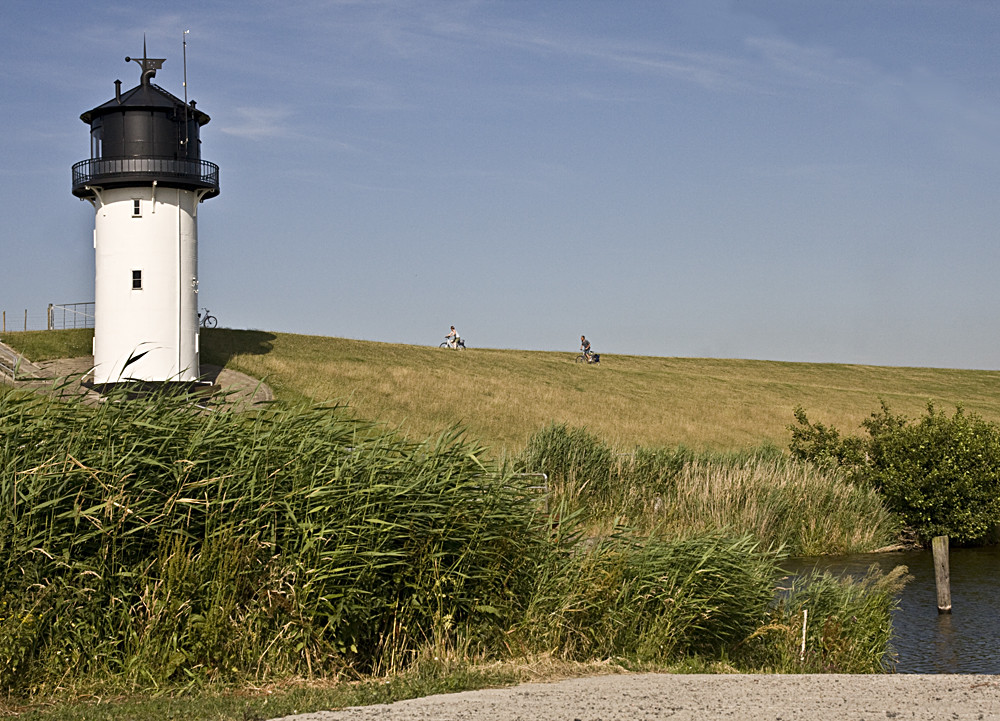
776 179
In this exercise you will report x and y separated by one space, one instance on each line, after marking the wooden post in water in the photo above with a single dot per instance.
941 574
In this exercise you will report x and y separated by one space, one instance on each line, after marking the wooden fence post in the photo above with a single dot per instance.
942 575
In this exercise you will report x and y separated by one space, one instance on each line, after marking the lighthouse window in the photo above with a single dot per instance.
136 208
136 280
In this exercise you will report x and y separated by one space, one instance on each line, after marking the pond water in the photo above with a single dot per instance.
965 641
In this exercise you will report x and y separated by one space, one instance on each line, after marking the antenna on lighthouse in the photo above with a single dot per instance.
186 129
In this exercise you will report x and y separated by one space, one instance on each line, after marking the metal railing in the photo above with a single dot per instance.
9 362
15 367
95 170
71 315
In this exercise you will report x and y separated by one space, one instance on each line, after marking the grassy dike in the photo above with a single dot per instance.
502 397
303 558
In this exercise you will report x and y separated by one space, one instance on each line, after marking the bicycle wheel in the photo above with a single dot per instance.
581 359
211 321
444 345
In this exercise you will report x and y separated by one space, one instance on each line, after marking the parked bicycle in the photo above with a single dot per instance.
206 320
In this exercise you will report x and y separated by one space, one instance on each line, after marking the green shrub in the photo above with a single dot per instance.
941 474
823 444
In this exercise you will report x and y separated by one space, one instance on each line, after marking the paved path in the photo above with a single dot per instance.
679 697
239 389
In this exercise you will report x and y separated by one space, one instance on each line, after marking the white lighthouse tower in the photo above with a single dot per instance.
145 178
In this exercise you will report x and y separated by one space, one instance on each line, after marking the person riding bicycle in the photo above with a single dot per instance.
585 347
453 338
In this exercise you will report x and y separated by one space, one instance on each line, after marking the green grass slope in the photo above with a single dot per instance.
502 396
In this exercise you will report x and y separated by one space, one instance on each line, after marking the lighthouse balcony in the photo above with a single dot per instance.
118 172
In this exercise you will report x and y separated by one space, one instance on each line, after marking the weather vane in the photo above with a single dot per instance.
149 65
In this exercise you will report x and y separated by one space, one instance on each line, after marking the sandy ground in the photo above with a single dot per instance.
676 697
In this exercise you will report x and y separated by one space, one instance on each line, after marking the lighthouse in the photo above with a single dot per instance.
145 178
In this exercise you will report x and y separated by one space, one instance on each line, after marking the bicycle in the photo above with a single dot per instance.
207 320
459 344
592 358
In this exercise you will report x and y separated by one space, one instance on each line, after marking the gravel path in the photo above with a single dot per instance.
703 697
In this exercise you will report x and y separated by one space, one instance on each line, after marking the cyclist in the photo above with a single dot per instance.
453 338
585 347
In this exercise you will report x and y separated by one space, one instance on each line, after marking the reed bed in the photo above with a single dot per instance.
147 539
808 510
703 596
150 543
826 624
678 493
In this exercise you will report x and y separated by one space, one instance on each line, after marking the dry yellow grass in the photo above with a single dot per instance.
501 396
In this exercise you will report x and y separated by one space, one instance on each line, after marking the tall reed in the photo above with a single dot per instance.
148 539
151 542
826 624
652 599
676 493
806 509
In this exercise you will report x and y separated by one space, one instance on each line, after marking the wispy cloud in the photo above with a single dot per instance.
807 64
259 123
713 70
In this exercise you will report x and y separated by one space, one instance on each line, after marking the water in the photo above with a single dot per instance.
965 641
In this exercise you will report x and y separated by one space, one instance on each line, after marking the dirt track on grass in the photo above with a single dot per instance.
701 697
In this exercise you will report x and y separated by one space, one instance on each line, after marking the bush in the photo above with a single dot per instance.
941 474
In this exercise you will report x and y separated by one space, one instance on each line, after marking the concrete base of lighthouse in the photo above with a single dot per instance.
146 286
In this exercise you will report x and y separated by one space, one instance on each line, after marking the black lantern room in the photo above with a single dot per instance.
143 135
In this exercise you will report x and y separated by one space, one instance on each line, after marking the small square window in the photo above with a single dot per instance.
136 280
136 208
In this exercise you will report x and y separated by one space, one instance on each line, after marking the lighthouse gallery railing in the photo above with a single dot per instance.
94 170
